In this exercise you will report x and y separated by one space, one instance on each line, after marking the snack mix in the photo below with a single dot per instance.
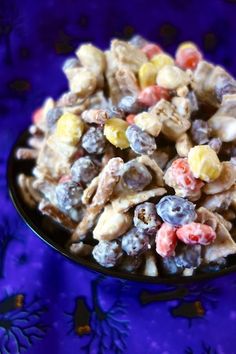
138 159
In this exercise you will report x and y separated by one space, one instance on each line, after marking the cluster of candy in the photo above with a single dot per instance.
139 154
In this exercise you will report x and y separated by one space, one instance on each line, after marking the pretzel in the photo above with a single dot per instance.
49 209
26 154
127 201
90 190
29 194
108 179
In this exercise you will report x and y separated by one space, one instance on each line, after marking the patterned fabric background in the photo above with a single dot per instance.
47 303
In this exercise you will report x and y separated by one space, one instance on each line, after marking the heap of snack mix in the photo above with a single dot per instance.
139 155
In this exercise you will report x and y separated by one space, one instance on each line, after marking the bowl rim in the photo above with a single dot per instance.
92 266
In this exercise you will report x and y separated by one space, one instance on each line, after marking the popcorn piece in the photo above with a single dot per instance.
182 91
225 180
83 83
128 55
46 188
91 58
223 122
68 99
171 77
173 125
183 106
183 145
164 110
149 123
69 66
204 163
205 80
138 41
174 129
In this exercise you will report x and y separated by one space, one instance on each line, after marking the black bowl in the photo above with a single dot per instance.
56 236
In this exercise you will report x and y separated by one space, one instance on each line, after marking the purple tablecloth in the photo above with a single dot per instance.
47 303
